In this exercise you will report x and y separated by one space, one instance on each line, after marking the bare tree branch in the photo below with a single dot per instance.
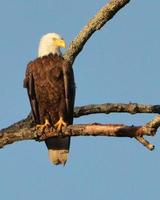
132 108
23 130
97 22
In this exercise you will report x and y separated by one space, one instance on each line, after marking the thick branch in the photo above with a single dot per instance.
25 130
97 22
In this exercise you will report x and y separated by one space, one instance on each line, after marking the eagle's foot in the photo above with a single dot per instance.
42 127
58 125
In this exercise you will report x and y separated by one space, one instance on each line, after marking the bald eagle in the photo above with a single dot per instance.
50 85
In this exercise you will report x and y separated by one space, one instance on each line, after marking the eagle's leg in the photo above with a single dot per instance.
43 126
58 125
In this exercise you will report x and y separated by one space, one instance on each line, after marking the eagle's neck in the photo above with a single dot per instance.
45 50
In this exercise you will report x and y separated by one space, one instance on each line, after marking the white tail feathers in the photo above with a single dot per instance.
58 157
58 149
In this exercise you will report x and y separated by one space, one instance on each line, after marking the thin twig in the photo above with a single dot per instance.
145 143
132 108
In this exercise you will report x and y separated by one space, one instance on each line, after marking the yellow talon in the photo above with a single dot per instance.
58 125
43 126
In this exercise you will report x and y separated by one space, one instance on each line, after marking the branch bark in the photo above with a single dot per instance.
96 23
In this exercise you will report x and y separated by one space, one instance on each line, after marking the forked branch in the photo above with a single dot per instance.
25 130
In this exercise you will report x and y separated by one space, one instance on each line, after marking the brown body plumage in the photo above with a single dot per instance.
50 84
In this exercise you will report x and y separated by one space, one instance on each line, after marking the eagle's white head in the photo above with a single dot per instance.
50 43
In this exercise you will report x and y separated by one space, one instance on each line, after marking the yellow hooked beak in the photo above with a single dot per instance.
59 43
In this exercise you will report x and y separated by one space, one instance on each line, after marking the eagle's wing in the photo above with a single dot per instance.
69 86
29 84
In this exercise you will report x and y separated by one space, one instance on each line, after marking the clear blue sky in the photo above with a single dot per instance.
120 63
